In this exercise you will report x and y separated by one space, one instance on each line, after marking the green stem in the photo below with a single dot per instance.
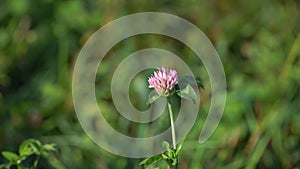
173 132
36 161
172 125
174 167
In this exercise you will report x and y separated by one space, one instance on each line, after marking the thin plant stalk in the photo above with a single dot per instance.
172 125
173 131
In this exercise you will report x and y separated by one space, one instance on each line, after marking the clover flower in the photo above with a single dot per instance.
163 80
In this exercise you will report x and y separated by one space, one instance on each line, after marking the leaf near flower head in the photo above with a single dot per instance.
152 97
188 93
183 82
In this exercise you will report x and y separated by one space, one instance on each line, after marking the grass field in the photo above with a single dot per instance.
258 43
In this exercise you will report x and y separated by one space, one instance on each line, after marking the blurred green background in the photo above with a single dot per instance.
258 43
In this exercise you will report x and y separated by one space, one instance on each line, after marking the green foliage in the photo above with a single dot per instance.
151 160
166 145
153 97
27 148
188 93
186 80
257 41
12 157
185 90
170 156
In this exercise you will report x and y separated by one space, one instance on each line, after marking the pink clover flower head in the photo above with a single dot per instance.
163 80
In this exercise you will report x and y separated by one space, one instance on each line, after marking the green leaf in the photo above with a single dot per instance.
25 149
12 157
165 145
179 147
169 154
183 82
6 166
173 155
50 147
165 157
154 96
30 146
174 162
188 93
36 145
151 160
